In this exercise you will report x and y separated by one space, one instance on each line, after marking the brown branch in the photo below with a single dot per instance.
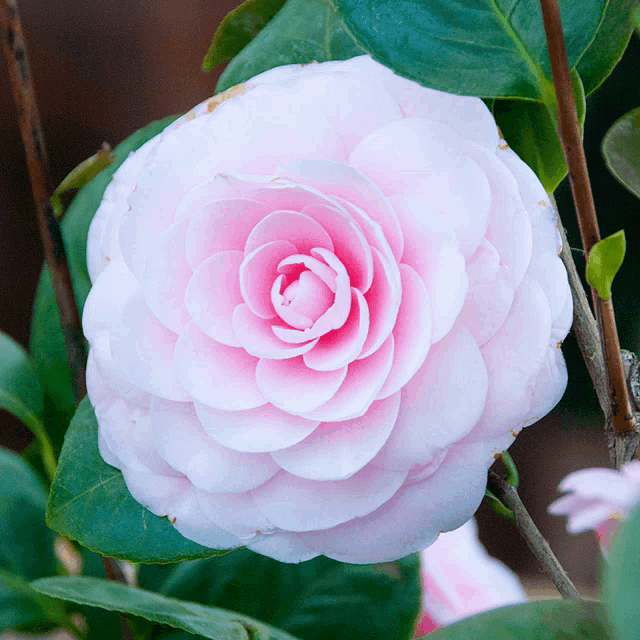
114 572
621 414
38 165
532 536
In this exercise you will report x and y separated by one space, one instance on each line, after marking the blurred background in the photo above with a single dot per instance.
101 70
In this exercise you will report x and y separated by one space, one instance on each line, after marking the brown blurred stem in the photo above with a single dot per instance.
621 415
114 572
41 186
532 536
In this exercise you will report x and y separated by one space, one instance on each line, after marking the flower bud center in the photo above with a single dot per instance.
308 296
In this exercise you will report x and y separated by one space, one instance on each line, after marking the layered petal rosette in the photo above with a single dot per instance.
322 302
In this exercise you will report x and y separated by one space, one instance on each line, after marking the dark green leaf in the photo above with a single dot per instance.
622 579
609 44
543 620
217 624
320 598
485 48
621 149
302 31
26 545
21 394
89 502
530 129
605 258
47 343
81 175
238 29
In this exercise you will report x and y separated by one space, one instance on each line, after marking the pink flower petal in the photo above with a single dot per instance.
220 376
549 387
337 179
337 450
432 416
297 504
222 226
191 451
411 333
291 386
257 338
383 299
413 517
341 346
145 355
303 301
213 293
236 513
282 546
302 231
337 314
258 430
361 385
257 273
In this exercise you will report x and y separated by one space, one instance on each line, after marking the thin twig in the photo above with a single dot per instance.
114 572
532 536
38 165
621 414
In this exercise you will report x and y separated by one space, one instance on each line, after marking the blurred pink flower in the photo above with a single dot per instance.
599 499
322 303
460 579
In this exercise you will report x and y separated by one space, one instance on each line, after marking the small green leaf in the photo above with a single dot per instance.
301 32
542 620
21 394
89 502
26 545
512 472
605 258
621 588
530 129
82 175
238 29
46 345
217 624
499 508
621 149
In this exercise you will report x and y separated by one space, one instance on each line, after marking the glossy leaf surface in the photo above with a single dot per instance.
621 149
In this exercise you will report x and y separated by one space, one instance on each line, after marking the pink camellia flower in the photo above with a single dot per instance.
322 302
599 499
460 579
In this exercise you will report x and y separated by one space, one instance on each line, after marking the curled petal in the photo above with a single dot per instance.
282 546
213 293
219 376
297 504
337 450
258 430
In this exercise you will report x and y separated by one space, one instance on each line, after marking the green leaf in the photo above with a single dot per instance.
89 502
610 42
238 29
47 343
543 620
81 175
21 394
621 588
301 32
319 598
530 129
621 149
488 48
26 545
217 624
605 258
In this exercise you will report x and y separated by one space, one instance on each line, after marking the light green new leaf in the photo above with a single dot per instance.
543 620
605 258
621 149
238 29
621 588
301 32
209 622
26 545
89 502
47 342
